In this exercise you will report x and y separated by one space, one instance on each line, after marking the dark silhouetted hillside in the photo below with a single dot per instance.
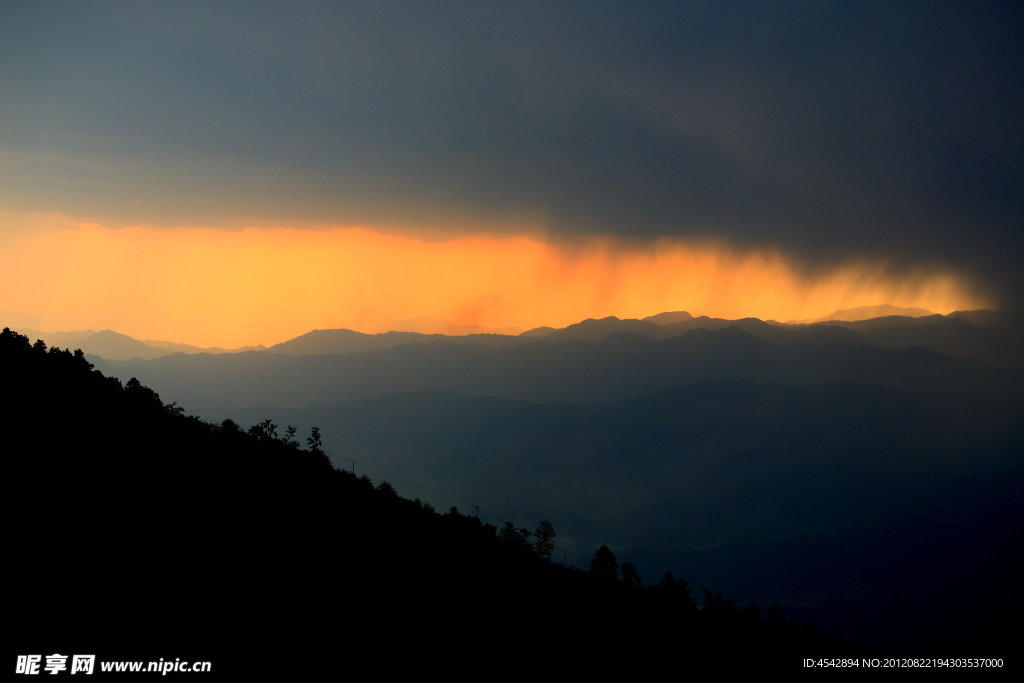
705 464
713 475
154 531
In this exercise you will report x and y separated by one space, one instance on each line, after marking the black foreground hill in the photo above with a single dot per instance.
142 532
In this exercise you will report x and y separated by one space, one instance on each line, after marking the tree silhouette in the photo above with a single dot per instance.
604 564
515 538
386 488
629 576
136 392
314 442
713 603
675 589
264 431
544 536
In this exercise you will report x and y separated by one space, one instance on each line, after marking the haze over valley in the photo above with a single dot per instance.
677 440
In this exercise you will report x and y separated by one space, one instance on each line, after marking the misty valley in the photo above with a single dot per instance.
862 477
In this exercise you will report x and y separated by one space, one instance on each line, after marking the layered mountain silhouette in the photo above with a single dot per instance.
112 345
243 545
867 312
321 342
669 317
721 446
992 336
620 365
176 347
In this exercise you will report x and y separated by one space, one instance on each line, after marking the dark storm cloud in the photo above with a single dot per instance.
826 129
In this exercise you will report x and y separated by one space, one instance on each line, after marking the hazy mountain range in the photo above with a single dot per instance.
596 360
985 335
711 446
112 345
867 312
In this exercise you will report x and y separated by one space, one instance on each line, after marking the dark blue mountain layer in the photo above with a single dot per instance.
618 366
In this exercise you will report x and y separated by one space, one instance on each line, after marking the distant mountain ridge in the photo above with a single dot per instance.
176 347
992 336
618 366
669 317
320 342
111 345
866 313
985 335
107 344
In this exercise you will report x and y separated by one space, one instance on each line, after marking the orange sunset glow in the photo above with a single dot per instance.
212 287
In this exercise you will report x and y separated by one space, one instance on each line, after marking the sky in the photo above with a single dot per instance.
239 173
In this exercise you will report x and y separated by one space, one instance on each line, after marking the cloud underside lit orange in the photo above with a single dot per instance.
212 287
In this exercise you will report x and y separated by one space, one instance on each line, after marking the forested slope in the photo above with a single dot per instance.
144 527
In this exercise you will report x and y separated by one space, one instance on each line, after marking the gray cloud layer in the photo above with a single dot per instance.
827 129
